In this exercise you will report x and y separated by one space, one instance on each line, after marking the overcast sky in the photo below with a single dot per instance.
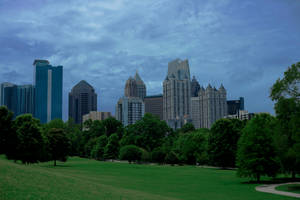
246 45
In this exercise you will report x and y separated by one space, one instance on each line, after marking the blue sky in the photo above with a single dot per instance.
246 45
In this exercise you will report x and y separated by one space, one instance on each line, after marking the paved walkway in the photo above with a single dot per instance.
271 189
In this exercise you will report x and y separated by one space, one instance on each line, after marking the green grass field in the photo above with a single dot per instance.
88 179
289 188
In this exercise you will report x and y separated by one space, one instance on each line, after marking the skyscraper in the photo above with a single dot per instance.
154 105
195 87
177 94
235 105
48 81
130 88
209 106
141 87
17 98
129 110
82 100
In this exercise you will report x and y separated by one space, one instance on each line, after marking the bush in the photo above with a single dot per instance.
131 153
158 156
172 158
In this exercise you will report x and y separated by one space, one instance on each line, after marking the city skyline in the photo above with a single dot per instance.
223 41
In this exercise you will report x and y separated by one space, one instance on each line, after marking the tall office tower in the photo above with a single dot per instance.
17 98
48 81
177 94
95 115
82 100
235 105
209 106
154 105
195 87
129 110
131 88
141 87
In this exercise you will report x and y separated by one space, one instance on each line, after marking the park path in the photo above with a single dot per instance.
271 189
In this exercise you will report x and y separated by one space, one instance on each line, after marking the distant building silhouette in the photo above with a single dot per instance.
95 115
129 110
177 94
141 87
17 98
154 105
82 100
48 82
235 105
209 106
195 87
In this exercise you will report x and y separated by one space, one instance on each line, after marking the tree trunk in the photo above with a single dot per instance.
54 162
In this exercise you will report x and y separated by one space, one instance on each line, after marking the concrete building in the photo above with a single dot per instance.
235 105
195 87
48 81
241 115
95 115
141 87
177 94
130 88
209 106
82 100
18 98
154 105
129 110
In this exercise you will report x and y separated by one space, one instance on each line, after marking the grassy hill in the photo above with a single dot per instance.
88 179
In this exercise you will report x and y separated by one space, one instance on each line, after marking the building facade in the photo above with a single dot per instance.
129 110
82 100
177 94
208 107
195 87
235 105
95 115
48 82
140 86
154 105
130 88
18 98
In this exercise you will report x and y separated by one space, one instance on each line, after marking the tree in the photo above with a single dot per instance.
287 96
222 142
130 153
98 149
58 144
188 127
7 134
172 158
30 143
158 155
111 150
112 125
256 155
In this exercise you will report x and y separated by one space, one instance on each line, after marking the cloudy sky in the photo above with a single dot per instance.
246 45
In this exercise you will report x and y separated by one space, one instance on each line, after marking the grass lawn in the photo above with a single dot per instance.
89 179
289 188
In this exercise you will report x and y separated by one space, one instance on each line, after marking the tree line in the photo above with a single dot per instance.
264 145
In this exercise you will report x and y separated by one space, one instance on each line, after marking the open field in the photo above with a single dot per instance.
289 188
88 179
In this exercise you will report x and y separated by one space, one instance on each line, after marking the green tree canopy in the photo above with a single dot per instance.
7 134
130 153
256 155
111 150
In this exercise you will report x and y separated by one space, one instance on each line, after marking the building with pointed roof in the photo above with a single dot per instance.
82 100
130 88
141 87
209 106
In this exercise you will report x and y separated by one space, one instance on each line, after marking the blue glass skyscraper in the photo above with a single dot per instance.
48 91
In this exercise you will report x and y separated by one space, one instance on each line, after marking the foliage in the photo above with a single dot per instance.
222 142
7 135
30 146
98 149
158 155
111 150
130 153
112 125
172 158
256 150
188 127
288 86
58 144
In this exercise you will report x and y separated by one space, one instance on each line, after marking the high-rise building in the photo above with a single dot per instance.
209 106
131 88
235 105
177 94
154 105
129 110
141 87
95 115
48 81
17 98
195 87
82 100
